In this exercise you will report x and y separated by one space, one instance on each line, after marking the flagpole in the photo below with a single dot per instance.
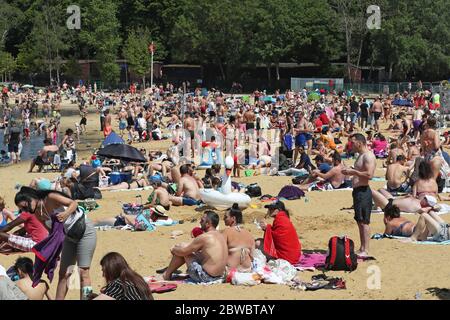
151 76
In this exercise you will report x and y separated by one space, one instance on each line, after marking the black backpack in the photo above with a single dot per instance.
341 255
253 190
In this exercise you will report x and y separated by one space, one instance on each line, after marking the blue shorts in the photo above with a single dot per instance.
188 201
300 140
122 125
196 272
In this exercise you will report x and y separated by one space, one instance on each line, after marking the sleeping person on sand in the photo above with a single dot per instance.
430 224
135 183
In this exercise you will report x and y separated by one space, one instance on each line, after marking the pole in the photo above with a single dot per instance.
151 76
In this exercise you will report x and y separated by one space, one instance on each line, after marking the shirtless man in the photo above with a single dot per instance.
206 256
240 241
42 158
377 109
397 175
107 129
189 125
302 135
24 267
335 176
187 191
413 151
122 121
249 119
364 170
160 196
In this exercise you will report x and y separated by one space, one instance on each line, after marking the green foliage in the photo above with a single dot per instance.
414 40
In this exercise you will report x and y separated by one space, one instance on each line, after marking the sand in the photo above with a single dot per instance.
405 269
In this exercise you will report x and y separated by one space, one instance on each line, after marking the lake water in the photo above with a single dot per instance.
30 148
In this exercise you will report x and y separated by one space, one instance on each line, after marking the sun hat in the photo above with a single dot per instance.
159 210
431 200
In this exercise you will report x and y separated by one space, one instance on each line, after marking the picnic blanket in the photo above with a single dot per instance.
445 209
379 236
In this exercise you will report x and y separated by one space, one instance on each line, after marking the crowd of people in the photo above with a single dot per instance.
329 126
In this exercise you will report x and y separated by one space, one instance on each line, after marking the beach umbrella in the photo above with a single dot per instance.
122 152
112 138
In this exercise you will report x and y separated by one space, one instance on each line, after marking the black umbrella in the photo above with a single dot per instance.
122 152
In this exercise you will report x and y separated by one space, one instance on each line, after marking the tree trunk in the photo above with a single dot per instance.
269 73
391 65
277 68
143 82
222 71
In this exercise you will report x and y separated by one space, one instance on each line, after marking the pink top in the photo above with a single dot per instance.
378 145
34 227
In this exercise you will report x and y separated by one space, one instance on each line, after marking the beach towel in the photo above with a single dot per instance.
47 252
291 193
311 260
281 240
325 186
162 287
445 209
379 236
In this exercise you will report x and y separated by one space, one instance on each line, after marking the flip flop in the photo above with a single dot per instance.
161 271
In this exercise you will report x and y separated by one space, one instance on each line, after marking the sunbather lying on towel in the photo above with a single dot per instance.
134 184
395 224
406 204
206 256
430 224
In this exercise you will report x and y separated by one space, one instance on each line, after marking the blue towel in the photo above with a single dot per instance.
379 236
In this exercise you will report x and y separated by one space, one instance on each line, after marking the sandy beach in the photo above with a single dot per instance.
406 269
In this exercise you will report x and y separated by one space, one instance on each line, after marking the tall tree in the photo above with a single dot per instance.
135 51
100 32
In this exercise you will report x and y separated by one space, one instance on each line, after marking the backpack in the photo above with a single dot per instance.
253 190
341 255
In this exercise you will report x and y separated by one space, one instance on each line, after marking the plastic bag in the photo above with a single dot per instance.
283 269
245 279
259 261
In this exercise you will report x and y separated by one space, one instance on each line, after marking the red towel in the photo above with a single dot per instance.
281 240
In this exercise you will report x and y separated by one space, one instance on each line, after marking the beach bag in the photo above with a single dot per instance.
253 190
341 256
291 193
76 233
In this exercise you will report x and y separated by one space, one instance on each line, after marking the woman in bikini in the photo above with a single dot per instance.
395 224
240 241
133 184
424 190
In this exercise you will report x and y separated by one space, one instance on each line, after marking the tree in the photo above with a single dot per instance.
7 65
101 34
9 18
136 52
351 17
45 44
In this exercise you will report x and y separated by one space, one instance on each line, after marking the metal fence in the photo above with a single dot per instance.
390 87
